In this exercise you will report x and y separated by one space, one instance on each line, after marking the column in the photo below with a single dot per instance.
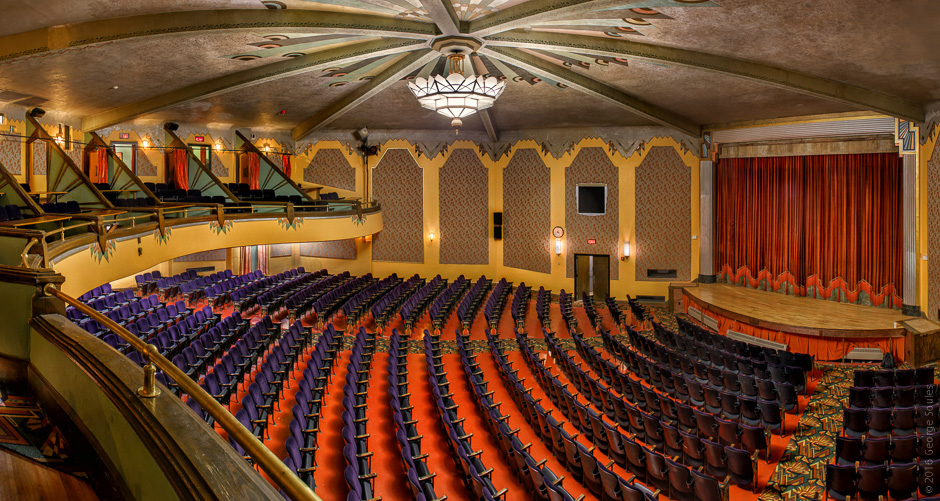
707 221
909 201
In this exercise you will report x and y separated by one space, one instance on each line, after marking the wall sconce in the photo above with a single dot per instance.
558 246
218 145
431 236
3 118
267 149
145 143
626 250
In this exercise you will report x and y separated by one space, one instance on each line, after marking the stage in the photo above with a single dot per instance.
825 329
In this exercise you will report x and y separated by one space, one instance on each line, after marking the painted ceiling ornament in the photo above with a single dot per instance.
456 96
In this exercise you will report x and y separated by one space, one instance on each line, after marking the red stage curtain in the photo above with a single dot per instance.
816 224
254 171
285 161
101 170
181 169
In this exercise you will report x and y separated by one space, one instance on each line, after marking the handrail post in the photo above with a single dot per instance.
149 389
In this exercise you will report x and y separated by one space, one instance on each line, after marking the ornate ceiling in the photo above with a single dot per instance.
340 64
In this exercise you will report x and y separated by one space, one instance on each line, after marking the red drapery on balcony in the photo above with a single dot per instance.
816 225
285 161
181 169
254 170
101 169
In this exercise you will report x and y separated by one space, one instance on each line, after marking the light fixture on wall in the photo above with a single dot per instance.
59 138
558 246
267 149
626 250
218 145
431 235
145 143
3 119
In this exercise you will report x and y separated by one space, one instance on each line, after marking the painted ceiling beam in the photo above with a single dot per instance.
444 16
391 75
582 83
284 68
531 11
778 77
480 69
71 36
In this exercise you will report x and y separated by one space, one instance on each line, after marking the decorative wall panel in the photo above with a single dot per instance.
398 184
218 168
11 151
334 249
464 201
280 250
76 152
593 166
329 167
527 213
933 233
663 215
144 166
213 255
39 158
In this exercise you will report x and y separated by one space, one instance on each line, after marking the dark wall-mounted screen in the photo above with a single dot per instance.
592 199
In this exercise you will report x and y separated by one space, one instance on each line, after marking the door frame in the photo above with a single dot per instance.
608 256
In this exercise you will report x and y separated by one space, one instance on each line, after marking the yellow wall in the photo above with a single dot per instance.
556 280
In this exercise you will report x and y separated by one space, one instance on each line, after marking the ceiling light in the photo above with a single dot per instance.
114 87
456 96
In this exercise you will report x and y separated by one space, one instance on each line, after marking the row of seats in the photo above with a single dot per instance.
575 457
659 420
476 476
900 481
444 303
299 303
10 213
881 450
415 306
792 368
414 461
385 309
355 308
271 301
518 307
70 207
893 377
766 413
330 303
493 309
880 422
359 473
718 460
302 443
893 396
472 301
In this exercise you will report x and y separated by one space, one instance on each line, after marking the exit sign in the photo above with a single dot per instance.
591 241
200 139
124 135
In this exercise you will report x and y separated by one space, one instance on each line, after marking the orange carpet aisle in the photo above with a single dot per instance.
391 483
434 441
503 476
331 484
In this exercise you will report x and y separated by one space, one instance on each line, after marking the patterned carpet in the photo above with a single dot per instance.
25 430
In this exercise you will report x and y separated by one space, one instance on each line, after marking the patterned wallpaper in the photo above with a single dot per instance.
663 212
592 166
76 152
145 167
329 167
464 201
334 249
11 151
933 233
213 255
398 184
280 250
527 213
39 158
218 168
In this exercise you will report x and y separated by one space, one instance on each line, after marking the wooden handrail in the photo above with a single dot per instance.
276 470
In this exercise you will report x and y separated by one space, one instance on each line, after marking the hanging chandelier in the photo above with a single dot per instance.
456 96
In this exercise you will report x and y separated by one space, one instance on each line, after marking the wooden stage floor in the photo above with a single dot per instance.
795 314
